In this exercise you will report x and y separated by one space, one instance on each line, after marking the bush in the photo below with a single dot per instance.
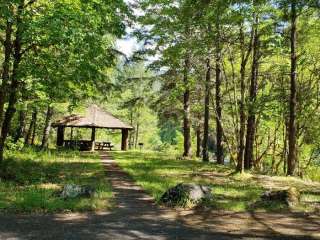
313 173
14 146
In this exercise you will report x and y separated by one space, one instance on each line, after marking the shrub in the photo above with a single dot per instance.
11 145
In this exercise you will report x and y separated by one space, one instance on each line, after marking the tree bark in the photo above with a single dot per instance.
5 69
285 144
251 122
28 139
22 125
242 115
14 86
34 131
219 151
47 127
137 135
205 153
186 110
198 133
293 93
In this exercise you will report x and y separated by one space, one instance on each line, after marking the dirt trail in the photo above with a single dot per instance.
137 217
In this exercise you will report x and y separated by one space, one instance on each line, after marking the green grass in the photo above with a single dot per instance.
156 172
33 178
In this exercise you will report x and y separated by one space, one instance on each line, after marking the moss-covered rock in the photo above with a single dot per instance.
186 195
74 191
289 197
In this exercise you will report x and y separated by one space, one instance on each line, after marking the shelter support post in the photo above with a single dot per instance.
60 136
93 139
124 142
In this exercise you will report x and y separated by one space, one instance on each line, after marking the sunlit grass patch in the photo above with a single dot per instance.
33 178
156 172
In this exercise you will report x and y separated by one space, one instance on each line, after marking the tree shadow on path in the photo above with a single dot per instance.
135 217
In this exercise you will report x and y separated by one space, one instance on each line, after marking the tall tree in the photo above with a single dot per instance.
251 122
14 85
186 110
292 157
245 51
7 43
205 152
218 59
171 34
35 27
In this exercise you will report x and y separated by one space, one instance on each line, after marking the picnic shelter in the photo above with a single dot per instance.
94 118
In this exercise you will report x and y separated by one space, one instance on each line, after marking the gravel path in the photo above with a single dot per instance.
137 217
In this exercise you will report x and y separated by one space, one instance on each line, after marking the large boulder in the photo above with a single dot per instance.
289 197
74 191
186 195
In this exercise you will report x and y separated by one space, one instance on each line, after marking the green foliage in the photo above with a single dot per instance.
71 58
14 146
168 133
190 29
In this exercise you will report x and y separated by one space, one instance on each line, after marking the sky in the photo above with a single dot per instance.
129 44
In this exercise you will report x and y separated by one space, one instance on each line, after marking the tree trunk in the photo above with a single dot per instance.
293 93
22 125
205 153
47 127
285 145
28 139
198 133
5 70
137 135
186 110
244 59
34 131
274 149
251 123
219 152
14 86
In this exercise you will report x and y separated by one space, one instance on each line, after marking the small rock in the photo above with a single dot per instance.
74 191
290 196
186 194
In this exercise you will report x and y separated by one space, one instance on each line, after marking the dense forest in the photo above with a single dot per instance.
236 82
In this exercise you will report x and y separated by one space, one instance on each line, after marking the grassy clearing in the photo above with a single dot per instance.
33 177
156 172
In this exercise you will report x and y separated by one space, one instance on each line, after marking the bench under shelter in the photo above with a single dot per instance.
95 118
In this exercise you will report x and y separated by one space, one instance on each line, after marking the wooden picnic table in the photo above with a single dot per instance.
104 145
